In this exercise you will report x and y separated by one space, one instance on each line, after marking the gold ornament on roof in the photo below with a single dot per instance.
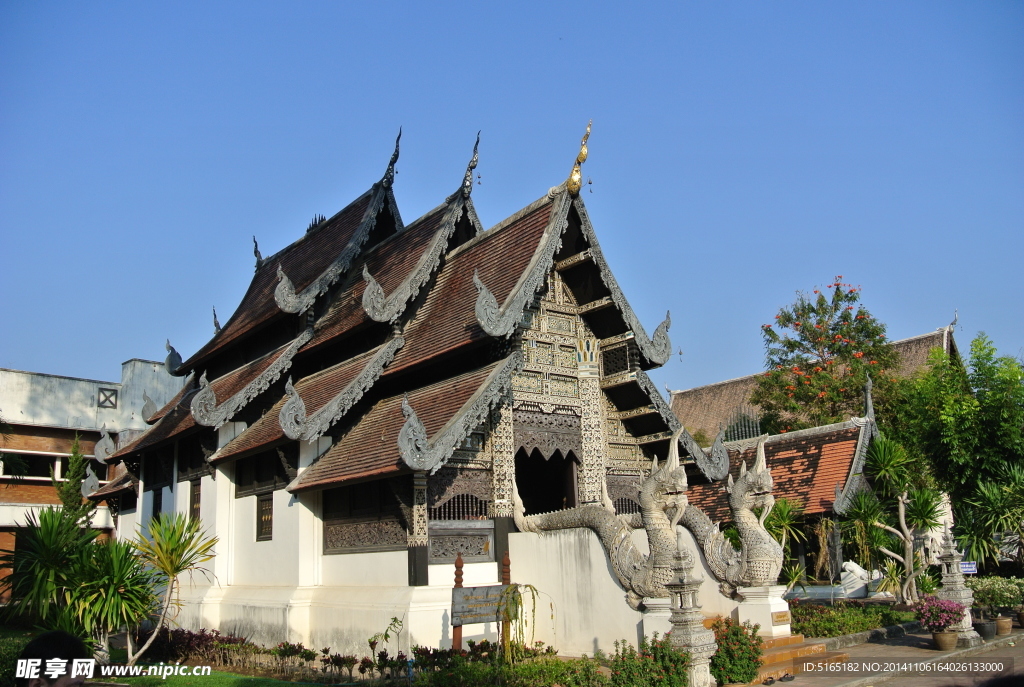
575 182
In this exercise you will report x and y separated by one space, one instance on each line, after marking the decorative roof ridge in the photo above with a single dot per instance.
423 453
297 425
186 397
724 381
383 308
747 444
317 229
714 465
501 320
503 224
205 409
290 301
855 479
937 333
658 348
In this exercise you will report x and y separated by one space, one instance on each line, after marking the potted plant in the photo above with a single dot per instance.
982 588
938 615
996 595
1018 582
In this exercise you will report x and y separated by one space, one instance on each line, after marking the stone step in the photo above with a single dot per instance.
794 666
780 654
781 641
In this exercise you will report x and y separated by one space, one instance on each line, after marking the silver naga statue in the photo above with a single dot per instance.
759 560
664 504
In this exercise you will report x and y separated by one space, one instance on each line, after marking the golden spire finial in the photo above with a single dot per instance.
575 182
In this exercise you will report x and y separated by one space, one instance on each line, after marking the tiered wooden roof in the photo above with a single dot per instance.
396 340
815 468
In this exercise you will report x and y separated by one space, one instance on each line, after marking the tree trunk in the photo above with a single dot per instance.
159 624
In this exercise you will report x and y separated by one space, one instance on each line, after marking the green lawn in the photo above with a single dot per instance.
214 679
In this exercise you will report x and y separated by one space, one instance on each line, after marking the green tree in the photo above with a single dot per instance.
69 490
904 490
967 421
818 355
176 545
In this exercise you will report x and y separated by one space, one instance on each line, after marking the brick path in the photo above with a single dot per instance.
917 648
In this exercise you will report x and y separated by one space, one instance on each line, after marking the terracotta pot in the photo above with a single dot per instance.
1004 625
985 628
945 641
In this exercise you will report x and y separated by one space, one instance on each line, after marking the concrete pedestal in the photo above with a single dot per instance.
765 606
657 614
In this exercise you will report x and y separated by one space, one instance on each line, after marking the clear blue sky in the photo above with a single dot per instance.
741 151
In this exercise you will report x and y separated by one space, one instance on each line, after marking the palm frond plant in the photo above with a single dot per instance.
45 569
794 575
118 591
784 523
176 545
892 578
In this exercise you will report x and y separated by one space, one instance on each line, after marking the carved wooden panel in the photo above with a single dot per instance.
547 432
353 537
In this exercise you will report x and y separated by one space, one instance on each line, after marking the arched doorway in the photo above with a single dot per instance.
546 484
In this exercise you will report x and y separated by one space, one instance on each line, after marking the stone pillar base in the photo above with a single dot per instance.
656 617
968 638
765 606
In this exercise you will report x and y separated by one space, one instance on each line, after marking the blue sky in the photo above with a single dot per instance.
741 151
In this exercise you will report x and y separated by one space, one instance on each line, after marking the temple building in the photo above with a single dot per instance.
389 395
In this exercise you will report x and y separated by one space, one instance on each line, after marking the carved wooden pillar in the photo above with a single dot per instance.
591 423
457 629
418 537
503 457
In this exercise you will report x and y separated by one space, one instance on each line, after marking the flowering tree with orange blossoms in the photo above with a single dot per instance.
818 354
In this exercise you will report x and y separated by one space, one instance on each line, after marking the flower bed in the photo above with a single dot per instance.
845 617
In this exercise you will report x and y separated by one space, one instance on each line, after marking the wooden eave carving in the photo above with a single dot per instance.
291 301
389 308
205 409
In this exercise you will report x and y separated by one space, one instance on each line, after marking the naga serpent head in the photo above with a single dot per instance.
753 488
669 484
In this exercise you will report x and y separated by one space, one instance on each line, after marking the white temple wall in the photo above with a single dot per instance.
271 563
376 569
570 570
712 602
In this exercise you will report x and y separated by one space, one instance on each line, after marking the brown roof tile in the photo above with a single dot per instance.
112 488
302 261
178 418
315 390
389 264
371 447
447 320
806 468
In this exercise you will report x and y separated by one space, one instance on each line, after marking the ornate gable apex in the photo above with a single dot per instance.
459 224
570 246
305 260
371 231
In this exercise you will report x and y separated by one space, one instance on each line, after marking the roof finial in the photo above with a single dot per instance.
575 182
256 252
216 322
389 175
956 316
869 405
467 181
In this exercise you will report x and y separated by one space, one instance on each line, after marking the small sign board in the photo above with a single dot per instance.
472 605
781 618
969 567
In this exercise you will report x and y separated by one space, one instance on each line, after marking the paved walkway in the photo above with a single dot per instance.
919 648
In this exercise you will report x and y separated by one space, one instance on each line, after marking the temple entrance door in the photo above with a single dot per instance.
546 484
